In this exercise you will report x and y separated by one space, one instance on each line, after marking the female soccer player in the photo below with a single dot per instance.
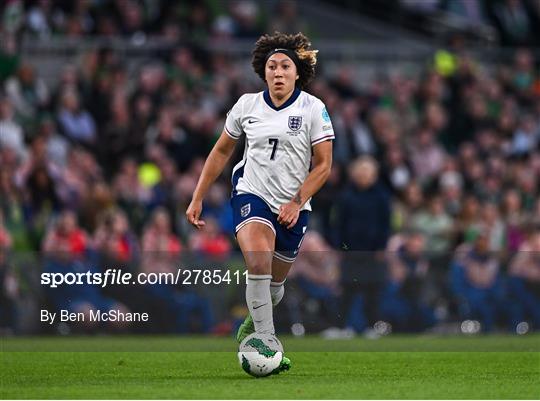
287 158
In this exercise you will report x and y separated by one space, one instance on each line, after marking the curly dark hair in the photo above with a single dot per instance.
299 43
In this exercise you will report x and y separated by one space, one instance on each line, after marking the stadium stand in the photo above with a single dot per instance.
108 109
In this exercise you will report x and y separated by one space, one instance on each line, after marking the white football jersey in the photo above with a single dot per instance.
277 155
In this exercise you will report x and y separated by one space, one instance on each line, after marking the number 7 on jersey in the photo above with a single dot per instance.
274 142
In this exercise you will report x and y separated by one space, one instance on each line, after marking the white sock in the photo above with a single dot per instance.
259 302
277 290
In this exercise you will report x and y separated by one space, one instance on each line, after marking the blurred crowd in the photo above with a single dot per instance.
432 206
505 22
137 20
516 21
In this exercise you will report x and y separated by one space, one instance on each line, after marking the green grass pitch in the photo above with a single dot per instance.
402 367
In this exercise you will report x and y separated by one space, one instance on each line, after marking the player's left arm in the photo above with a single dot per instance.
321 165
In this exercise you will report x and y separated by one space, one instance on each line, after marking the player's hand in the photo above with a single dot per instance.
193 213
288 214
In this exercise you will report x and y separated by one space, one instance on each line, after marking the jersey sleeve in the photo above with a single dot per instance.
233 123
321 126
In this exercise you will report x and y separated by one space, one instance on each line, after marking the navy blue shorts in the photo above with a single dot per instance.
249 208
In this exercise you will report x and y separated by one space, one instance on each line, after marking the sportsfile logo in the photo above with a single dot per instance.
109 277
118 277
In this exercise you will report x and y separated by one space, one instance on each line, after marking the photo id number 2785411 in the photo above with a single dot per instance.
211 277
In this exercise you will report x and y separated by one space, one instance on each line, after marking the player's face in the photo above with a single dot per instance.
280 74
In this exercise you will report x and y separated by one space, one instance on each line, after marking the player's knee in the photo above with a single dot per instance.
259 266
259 262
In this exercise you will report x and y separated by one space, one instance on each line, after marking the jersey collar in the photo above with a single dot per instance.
268 100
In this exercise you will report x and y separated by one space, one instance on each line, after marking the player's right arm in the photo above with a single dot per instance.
213 167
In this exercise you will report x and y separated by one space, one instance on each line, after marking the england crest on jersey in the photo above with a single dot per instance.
244 210
295 122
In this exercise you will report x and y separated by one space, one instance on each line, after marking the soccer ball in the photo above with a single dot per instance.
259 354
